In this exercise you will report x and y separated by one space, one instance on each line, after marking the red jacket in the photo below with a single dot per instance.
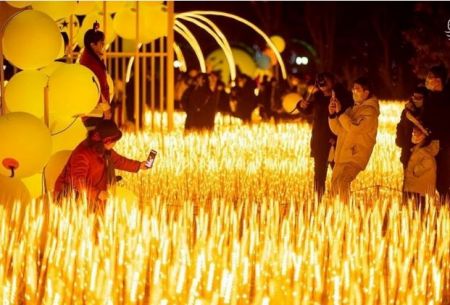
95 65
86 170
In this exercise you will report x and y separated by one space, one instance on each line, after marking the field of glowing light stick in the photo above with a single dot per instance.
230 218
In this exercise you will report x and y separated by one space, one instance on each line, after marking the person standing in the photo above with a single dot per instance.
436 117
197 102
322 139
92 58
404 129
420 173
356 130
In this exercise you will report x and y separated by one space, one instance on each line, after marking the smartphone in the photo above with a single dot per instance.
151 158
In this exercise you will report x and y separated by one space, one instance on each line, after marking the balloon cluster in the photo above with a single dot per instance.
31 42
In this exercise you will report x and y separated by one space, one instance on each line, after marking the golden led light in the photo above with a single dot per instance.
226 46
229 217
181 29
180 57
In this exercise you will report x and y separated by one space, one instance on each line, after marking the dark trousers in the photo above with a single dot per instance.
443 173
320 173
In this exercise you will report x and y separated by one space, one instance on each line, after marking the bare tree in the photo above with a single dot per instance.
320 19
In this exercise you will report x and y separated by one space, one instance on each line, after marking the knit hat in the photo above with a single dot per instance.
108 131
440 72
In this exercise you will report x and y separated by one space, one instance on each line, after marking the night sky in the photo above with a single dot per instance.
358 37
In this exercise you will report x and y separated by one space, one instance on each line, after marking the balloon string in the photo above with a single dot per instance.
61 131
12 171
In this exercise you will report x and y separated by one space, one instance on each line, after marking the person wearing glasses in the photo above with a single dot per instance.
356 131
322 139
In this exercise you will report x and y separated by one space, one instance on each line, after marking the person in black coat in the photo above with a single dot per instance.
245 97
322 139
436 117
414 107
197 102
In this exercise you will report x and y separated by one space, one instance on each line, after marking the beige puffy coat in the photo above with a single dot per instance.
356 131
420 174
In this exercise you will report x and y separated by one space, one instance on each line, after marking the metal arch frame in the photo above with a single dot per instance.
217 34
190 38
255 28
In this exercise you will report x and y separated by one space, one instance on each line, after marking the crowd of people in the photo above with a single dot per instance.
344 124
344 127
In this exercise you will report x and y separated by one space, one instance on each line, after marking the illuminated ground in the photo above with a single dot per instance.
229 218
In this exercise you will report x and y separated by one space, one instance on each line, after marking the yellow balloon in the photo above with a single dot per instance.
153 22
218 62
66 132
31 40
49 69
26 144
19 4
279 42
115 6
290 101
85 7
34 185
88 23
25 92
111 86
54 168
62 49
13 190
55 9
73 90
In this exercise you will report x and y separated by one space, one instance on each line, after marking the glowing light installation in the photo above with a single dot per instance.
229 218
255 28
218 35
190 38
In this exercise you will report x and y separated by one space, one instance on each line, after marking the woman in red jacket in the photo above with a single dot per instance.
94 48
91 166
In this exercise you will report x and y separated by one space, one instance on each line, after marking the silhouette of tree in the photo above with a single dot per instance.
428 38
320 19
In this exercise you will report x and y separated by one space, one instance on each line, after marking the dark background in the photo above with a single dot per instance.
394 43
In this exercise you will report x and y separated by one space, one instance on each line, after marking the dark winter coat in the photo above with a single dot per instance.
322 135
404 132
95 64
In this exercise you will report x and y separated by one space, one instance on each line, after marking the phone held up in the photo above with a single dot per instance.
151 158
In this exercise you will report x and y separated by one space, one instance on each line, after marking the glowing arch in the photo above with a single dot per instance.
217 34
190 38
255 28
180 57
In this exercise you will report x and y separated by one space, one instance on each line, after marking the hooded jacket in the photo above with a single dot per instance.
356 131
420 174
